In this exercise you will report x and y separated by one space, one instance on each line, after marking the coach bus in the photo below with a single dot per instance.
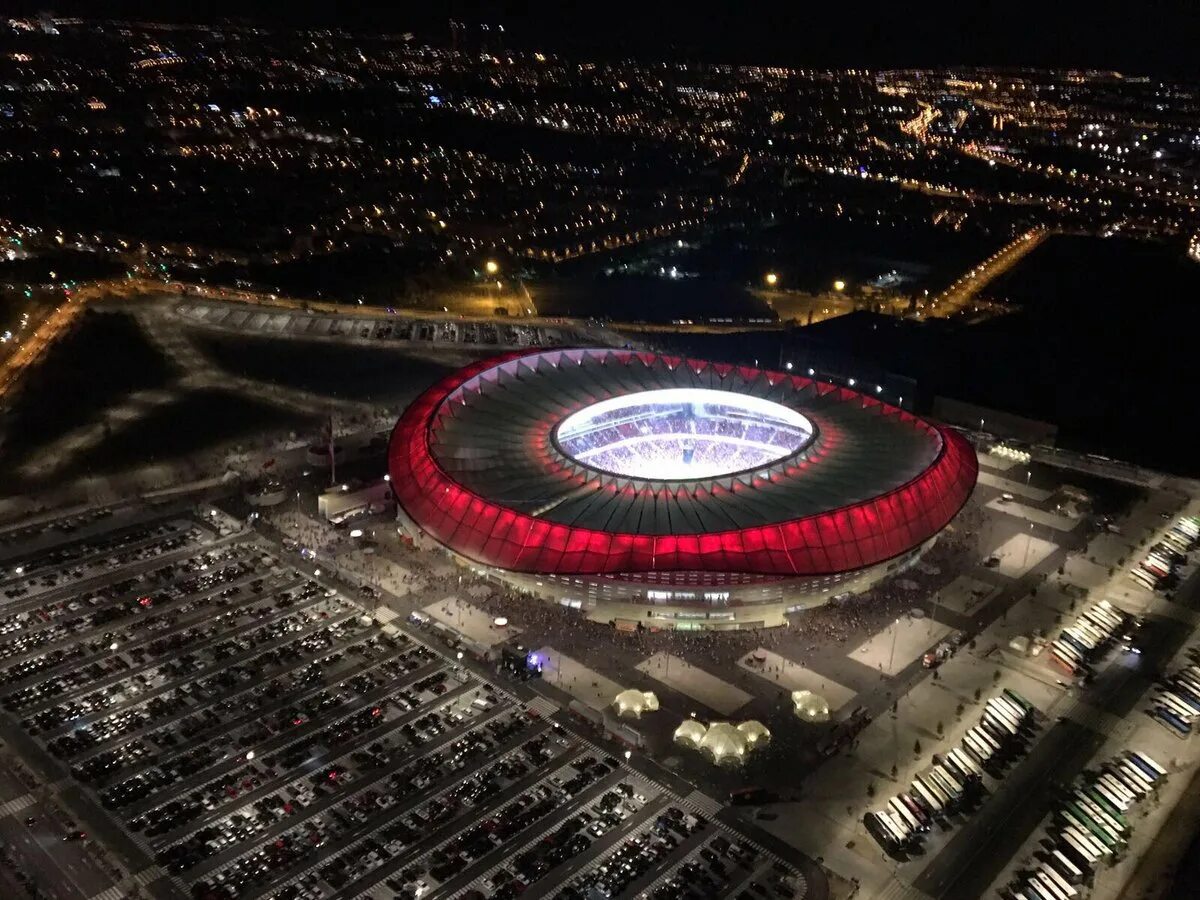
1171 722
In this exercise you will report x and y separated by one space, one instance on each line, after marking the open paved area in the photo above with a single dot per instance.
902 642
704 687
1016 487
964 595
586 685
1022 552
783 672
1034 514
471 621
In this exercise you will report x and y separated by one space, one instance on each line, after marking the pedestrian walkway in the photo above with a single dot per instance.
11 807
703 803
898 889
542 706
121 889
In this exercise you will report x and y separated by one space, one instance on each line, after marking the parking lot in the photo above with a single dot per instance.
252 734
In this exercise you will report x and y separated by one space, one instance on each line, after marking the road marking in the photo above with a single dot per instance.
17 804
542 706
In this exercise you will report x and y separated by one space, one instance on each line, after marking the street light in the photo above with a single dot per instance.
839 285
491 267
772 278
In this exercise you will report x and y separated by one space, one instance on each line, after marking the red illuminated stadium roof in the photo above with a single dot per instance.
474 462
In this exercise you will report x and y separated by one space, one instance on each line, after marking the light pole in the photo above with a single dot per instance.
892 658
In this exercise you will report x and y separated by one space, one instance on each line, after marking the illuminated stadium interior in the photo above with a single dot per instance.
680 434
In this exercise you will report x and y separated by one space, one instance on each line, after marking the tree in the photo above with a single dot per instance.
917 746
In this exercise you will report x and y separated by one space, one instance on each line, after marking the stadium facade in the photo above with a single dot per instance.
612 479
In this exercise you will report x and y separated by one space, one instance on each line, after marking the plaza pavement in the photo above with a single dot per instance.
964 595
701 686
782 672
1033 514
1022 552
470 621
584 684
1017 488
892 650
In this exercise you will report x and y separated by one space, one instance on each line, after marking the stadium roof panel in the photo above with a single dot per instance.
475 462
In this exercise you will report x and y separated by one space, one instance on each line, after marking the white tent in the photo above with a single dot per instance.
811 707
724 743
634 703
690 733
756 734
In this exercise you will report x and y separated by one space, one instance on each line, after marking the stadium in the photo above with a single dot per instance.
635 486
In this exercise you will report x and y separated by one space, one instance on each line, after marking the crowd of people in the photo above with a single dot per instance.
696 439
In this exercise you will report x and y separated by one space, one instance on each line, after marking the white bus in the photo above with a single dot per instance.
964 762
1112 797
998 717
905 815
1019 712
935 787
1174 704
981 751
1082 848
1144 578
1070 872
1118 789
1057 881
1137 780
928 798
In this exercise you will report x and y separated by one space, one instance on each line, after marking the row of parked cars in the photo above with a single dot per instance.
71 563
368 810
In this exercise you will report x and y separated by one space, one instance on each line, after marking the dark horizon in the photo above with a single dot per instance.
1155 39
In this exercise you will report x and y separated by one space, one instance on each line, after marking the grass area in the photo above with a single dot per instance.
336 370
198 421
105 358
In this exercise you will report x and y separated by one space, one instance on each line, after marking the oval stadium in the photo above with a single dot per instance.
639 486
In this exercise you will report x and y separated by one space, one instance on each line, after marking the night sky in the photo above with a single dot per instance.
1148 36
